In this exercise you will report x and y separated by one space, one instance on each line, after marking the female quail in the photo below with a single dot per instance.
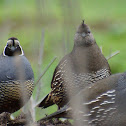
78 69
102 104
16 77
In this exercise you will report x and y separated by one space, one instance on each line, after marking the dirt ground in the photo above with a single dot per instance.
21 121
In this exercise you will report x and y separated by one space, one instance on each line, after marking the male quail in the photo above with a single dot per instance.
102 104
83 66
16 77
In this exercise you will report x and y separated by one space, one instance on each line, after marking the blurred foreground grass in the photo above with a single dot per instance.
59 20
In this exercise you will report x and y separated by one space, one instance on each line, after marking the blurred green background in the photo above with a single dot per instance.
47 27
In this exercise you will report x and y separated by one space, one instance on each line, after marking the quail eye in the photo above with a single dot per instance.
89 32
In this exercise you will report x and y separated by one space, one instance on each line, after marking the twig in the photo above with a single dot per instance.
113 54
36 103
45 70
41 49
101 48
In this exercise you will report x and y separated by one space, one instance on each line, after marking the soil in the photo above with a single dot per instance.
21 121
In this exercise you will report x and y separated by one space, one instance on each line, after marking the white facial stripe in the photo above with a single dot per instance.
20 47
4 51
9 41
17 41
21 51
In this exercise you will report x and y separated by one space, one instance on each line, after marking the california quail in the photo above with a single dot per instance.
102 104
83 66
13 66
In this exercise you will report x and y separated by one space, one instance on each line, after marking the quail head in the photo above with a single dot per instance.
13 47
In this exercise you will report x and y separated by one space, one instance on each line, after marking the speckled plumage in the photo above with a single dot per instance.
102 104
78 69
16 78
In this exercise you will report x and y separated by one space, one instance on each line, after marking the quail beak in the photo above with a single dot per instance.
84 34
12 48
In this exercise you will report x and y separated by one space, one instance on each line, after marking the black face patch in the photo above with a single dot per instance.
13 47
